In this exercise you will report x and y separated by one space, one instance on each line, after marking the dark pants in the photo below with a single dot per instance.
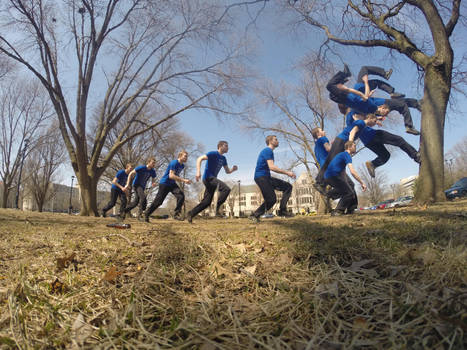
336 148
114 194
348 197
336 94
374 83
382 138
400 105
267 185
140 197
211 185
164 190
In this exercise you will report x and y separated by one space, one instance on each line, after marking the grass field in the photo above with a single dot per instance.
394 279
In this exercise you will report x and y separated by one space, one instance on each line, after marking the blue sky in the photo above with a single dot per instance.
277 51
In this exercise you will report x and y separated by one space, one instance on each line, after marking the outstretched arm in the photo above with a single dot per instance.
356 177
175 177
230 170
278 170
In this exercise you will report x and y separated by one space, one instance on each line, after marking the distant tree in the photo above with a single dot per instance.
24 111
43 162
456 162
376 187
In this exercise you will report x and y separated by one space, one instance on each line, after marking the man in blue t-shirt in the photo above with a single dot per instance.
268 184
336 177
215 161
118 189
359 98
322 145
141 175
167 184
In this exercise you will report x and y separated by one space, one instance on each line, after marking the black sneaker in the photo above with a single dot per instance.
103 214
146 219
418 158
347 70
285 214
220 216
387 74
411 130
253 219
337 213
371 168
178 217
397 95
320 188
121 217
189 218
419 104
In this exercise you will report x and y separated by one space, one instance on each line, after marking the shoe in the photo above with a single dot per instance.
189 218
103 214
347 70
337 213
285 214
121 217
349 212
411 130
371 168
419 104
320 188
253 219
397 95
418 158
146 219
220 216
178 217
387 74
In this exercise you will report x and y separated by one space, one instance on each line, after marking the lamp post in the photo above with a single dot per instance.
239 205
23 154
70 207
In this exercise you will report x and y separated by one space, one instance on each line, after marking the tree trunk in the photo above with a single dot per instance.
88 193
5 196
430 184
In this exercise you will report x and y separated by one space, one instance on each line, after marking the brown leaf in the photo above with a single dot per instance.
57 287
111 275
360 323
63 263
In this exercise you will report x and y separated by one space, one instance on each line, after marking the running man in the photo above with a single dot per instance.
215 161
141 175
322 145
336 177
267 184
118 189
168 184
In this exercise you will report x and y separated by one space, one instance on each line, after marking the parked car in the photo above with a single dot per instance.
400 202
383 204
459 189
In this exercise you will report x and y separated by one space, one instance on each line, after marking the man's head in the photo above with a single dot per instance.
223 147
272 141
383 110
182 156
128 168
371 119
151 163
317 133
350 147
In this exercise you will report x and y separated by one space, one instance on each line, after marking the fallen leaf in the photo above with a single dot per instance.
357 265
250 269
111 275
57 287
330 288
240 247
81 331
360 323
63 263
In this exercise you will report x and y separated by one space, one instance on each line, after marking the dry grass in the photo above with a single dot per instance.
379 280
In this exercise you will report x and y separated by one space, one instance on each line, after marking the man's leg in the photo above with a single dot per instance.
180 197
135 201
113 200
340 184
157 202
267 190
399 105
286 190
122 202
372 70
387 138
336 94
207 198
224 192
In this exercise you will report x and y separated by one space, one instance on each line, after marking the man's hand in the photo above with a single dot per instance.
291 174
234 168
187 181
198 176
363 187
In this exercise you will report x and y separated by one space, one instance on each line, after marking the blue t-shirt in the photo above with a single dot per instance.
349 118
176 167
344 135
121 176
367 135
320 151
338 164
142 175
262 167
214 164
356 102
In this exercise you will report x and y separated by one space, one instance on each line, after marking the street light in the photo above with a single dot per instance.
23 154
239 205
70 207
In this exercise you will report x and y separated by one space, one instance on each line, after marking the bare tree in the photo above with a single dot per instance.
24 110
419 29
456 162
44 161
169 55
376 186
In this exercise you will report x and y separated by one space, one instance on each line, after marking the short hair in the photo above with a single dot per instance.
371 116
349 144
314 132
342 108
128 164
151 159
221 143
269 138
181 153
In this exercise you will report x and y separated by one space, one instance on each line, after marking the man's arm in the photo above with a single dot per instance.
355 176
278 170
230 170
353 132
198 165
327 146
115 182
175 177
130 177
